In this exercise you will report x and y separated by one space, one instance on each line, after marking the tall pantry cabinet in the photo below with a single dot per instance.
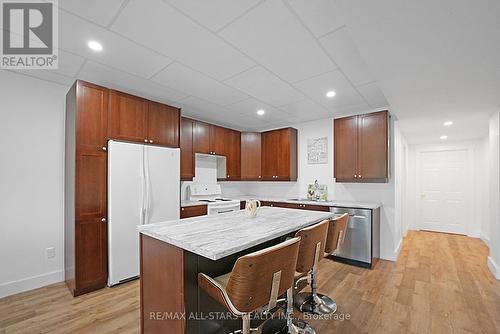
85 188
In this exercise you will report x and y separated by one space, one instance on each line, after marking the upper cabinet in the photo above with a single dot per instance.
187 146
233 155
128 116
163 124
202 137
361 148
279 155
132 118
251 156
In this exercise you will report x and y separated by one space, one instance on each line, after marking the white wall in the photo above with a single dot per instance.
475 227
381 193
494 191
31 182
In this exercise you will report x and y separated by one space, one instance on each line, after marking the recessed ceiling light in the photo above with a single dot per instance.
261 112
94 45
330 94
448 123
443 137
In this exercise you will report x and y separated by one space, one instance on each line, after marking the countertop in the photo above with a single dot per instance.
217 236
345 204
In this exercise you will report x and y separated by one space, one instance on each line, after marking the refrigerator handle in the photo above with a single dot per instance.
143 189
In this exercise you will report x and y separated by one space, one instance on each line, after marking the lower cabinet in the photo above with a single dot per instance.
311 207
193 211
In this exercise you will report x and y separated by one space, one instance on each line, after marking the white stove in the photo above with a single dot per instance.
211 194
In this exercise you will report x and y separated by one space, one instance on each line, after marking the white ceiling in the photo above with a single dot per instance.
223 60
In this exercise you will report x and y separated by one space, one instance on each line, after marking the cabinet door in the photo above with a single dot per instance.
233 157
163 124
219 140
193 211
90 184
373 147
91 116
251 156
91 254
187 154
345 148
269 152
127 117
202 137
286 148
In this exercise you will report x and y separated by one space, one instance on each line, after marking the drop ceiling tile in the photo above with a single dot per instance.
48 75
97 11
197 84
69 64
265 86
213 14
305 109
250 106
341 47
273 36
352 109
373 95
118 52
110 77
321 16
166 30
317 87
199 105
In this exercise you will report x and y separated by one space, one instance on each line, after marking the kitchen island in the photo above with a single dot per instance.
174 252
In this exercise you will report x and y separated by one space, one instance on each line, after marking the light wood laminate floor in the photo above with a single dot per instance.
440 284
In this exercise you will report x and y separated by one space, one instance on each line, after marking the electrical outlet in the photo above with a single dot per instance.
50 252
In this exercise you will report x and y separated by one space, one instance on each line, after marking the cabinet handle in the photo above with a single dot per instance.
260 176
355 175
182 209
228 176
359 176
103 220
145 140
151 141
104 148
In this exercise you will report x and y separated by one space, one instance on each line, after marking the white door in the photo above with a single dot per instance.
126 187
444 179
162 166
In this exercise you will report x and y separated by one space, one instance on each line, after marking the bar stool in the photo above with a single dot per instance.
256 282
313 302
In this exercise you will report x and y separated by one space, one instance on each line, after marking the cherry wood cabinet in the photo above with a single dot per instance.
361 148
85 188
312 207
187 148
202 137
128 117
135 119
233 155
95 114
163 124
251 156
279 155
193 211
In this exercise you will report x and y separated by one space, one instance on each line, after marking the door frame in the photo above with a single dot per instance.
469 182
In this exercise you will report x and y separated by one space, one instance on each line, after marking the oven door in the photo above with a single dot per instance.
216 209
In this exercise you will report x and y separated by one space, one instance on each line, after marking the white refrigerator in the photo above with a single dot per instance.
143 188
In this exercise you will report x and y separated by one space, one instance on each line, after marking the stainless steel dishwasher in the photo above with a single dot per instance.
362 241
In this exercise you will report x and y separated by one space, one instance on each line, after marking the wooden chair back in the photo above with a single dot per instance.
250 284
336 233
310 238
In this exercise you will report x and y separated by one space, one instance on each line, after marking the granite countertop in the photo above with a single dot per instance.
218 236
185 203
347 204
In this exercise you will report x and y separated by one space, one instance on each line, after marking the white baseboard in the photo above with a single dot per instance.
495 270
394 256
30 283
485 239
